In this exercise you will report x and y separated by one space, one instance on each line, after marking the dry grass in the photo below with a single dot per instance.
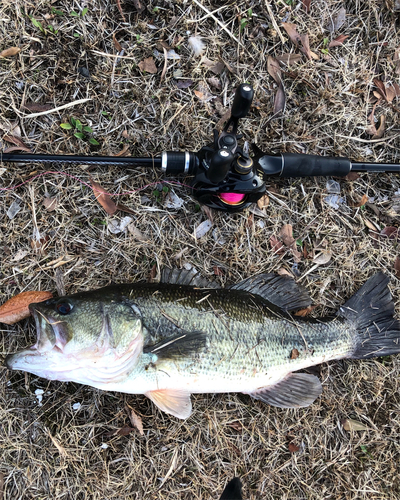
54 451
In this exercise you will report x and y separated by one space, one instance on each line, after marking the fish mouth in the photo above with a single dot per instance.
50 340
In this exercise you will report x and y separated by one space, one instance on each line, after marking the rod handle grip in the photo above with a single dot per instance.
299 165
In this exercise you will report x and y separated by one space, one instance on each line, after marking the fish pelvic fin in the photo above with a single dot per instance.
175 402
296 390
371 311
282 291
233 490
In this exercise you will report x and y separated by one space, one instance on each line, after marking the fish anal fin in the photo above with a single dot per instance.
176 402
297 390
282 291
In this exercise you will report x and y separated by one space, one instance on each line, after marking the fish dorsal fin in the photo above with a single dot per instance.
176 402
185 277
282 291
184 344
297 390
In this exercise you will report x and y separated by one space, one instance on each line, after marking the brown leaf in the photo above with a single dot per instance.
16 308
139 6
338 41
286 233
294 354
50 203
14 139
136 421
153 273
218 271
125 209
36 107
353 425
17 148
351 176
116 43
40 245
322 258
301 41
148 65
123 150
390 232
276 245
306 5
305 312
338 21
293 448
103 198
263 202
274 69
361 202
381 129
238 426
289 59
280 100
11 51
397 266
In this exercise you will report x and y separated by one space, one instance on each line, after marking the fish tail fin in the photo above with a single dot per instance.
371 310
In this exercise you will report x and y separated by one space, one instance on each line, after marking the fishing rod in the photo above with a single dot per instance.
225 176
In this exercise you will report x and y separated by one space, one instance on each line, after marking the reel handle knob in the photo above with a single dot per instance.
242 101
220 165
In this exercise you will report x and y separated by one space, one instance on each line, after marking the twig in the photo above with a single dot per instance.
64 106
274 23
219 22
120 10
113 55
207 15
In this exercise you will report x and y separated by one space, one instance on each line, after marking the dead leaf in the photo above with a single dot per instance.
218 271
306 5
137 235
305 312
289 59
294 354
139 6
123 431
280 100
40 245
362 202
184 84
322 258
36 107
353 425
388 93
263 202
390 232
116 43
338 41
16 308
148 65
276 245
15 139
351 176
215 82
236 425
17 148
274 69
123 150
202 229
136 421
11 51
125 209
371 225
103 198
301 41
217 67
153 273
338 21
293 448
397 266
286 233
381 128
50 203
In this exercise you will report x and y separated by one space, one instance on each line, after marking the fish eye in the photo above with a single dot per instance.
64 308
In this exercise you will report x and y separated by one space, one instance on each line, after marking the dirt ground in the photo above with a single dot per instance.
62 440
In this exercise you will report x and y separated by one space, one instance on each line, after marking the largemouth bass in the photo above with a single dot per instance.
184 336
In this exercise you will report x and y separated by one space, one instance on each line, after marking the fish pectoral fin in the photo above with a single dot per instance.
297 390
176 402
184 344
